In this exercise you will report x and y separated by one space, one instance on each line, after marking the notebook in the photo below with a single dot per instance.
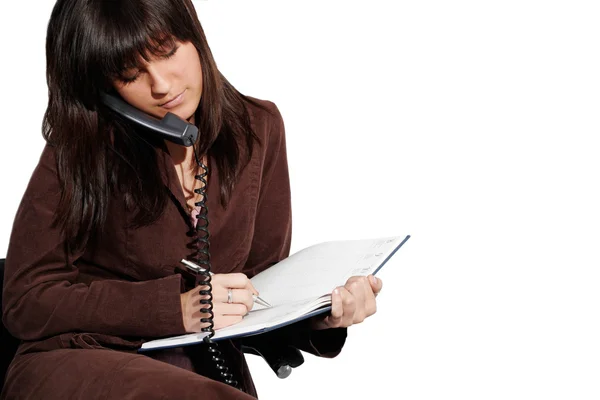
300 286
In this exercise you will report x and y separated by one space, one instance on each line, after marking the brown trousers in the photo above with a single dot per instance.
107 374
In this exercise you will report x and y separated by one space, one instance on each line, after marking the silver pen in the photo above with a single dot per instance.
196 268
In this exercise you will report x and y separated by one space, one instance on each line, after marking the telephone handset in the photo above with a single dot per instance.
171 127
179 131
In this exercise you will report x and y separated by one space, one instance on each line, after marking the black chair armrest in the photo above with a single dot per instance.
9 344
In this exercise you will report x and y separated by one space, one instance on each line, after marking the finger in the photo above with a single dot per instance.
376 284
365 301
243 297
252 288
196 321
352 279
337 309
342 316
230 309
360 289
359 286
196 291
371 302
219 321
236 280
348 307
240 296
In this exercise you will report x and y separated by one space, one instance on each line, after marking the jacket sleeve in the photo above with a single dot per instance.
42 296
272 239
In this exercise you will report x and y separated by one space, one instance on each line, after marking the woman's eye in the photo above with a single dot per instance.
129 79
171 53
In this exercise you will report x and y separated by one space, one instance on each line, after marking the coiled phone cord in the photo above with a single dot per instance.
201 244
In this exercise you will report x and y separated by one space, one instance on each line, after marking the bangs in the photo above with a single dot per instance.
133 54
135 32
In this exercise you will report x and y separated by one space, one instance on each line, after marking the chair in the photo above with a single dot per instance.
281 358
9 344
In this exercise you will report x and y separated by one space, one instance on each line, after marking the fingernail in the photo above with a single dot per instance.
336 291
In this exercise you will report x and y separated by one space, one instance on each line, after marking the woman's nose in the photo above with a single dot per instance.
160 84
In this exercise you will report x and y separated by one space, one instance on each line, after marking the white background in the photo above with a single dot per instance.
470 125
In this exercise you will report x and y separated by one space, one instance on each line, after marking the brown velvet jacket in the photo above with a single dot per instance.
122 289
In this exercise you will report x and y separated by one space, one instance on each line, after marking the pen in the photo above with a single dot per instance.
196 268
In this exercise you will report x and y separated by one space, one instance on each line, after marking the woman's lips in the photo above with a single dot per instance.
175 102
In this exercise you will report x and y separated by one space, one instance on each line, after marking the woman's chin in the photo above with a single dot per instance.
182 112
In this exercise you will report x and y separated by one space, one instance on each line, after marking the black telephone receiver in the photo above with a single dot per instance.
181 132
171 127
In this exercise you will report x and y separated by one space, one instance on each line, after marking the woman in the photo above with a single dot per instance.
92 265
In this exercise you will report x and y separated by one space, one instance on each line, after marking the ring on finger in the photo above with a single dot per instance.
229 296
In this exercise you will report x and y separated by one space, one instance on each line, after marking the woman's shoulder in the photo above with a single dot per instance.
261 107
47 159
265 116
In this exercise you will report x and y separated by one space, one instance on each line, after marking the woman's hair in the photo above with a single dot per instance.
89 44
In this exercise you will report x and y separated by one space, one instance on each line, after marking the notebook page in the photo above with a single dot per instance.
255 320
267 317
318 269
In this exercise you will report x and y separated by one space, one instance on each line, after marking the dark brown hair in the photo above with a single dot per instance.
89 43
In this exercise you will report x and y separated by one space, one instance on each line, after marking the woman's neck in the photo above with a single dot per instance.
181 155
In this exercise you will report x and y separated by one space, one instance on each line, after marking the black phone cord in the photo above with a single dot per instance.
201 244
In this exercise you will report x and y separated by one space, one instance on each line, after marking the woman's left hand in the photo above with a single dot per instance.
351 303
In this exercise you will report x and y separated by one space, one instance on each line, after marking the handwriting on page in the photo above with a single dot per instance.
366 264
379 243
318 270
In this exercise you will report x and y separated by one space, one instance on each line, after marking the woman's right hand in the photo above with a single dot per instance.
225 314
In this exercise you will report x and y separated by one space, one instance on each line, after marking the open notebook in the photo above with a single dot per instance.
300 286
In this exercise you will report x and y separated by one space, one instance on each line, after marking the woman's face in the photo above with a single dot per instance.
170 83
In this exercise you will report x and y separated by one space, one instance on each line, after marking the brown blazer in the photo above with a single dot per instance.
122 288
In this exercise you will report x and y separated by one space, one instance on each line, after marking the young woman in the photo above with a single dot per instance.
92 264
